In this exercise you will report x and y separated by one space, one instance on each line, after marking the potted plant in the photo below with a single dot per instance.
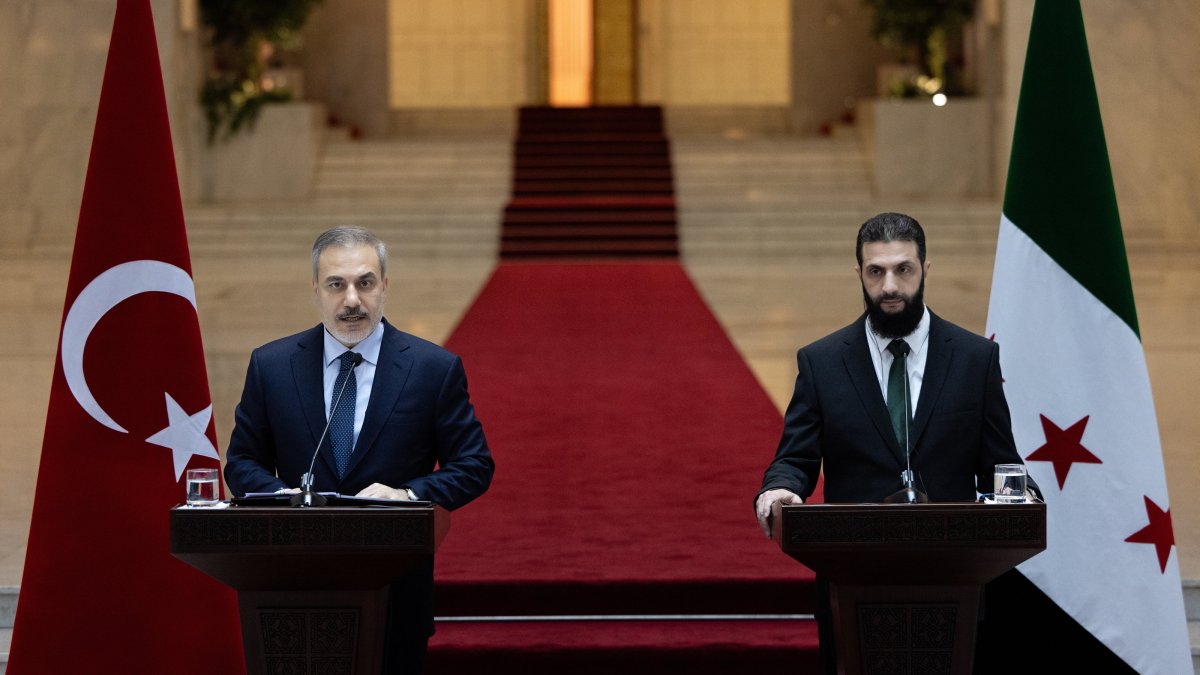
931 32
925 138
262 144
245 36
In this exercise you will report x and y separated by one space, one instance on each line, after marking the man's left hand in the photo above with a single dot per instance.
380 491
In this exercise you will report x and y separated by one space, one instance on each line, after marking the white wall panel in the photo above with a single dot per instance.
457 53
710 52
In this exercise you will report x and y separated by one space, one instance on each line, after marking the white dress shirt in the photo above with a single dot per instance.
881 358
364 374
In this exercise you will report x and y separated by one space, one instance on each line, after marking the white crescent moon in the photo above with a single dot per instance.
106 291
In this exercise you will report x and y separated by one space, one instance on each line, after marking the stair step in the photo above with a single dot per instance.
601 149
544 119
588 247
613 231
574 162
616 136
677 596
592 173
591 186
591 202
629 647
551 218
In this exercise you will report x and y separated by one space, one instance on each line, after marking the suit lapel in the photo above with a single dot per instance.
937 367
858 363
391 374
308 372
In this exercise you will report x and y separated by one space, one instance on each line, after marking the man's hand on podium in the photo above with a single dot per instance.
764 507
381 491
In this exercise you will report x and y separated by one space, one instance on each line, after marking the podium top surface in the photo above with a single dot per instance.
258 548
963 542
286 529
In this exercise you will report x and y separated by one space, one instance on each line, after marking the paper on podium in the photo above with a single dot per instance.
335 499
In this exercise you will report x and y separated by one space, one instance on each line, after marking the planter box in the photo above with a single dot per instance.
917 149
275 159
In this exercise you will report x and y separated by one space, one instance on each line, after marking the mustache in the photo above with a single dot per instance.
353 314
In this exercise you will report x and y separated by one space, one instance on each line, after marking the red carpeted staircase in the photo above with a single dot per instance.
593 182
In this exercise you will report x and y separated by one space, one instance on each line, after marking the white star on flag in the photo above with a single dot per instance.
184 435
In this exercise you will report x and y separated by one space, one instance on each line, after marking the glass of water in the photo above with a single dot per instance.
202 487
1009 483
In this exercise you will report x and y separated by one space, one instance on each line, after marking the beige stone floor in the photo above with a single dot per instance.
768 227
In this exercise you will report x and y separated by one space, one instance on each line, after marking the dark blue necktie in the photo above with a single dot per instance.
341 420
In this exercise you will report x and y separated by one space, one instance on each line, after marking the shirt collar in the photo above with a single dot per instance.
369 347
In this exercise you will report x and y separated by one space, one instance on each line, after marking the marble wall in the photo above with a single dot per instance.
1146 62
345 62
713 53
52 56
834 61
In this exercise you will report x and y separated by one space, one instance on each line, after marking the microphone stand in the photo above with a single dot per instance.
908 494
307 498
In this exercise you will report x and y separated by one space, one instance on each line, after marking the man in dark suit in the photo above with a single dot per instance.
853 409
402 427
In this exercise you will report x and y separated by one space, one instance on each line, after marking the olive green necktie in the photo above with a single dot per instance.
899 407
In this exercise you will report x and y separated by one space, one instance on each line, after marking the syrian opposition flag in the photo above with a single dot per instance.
1108 596
129 411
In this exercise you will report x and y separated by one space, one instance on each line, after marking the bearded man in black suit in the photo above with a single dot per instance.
851 418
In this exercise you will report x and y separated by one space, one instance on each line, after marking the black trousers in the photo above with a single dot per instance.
409 622
824 615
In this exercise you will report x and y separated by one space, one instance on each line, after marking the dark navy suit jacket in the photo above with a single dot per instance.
961 425
419 415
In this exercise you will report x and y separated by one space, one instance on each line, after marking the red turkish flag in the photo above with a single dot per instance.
101 592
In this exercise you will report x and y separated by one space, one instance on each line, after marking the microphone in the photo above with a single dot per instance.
908 494
307 497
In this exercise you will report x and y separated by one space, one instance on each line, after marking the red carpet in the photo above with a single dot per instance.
606 647
630 438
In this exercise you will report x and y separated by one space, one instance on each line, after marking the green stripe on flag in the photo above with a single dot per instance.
1060 189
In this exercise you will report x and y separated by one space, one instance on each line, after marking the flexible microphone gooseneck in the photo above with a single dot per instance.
908 494
307 497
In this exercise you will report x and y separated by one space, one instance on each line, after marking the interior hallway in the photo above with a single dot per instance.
767 227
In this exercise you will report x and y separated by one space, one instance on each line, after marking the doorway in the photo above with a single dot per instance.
592 57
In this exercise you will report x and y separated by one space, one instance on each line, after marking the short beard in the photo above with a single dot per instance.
900 324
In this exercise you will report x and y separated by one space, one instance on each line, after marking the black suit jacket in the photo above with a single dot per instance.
961 426
419 415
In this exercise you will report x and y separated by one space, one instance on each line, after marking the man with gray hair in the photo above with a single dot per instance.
401 423
900 402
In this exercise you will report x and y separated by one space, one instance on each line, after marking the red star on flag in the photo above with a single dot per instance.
1063 448
1159 532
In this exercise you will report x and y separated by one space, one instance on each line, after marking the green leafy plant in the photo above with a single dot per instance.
925 27
244 35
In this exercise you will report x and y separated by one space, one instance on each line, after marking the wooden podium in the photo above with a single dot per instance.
905 579
312 583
